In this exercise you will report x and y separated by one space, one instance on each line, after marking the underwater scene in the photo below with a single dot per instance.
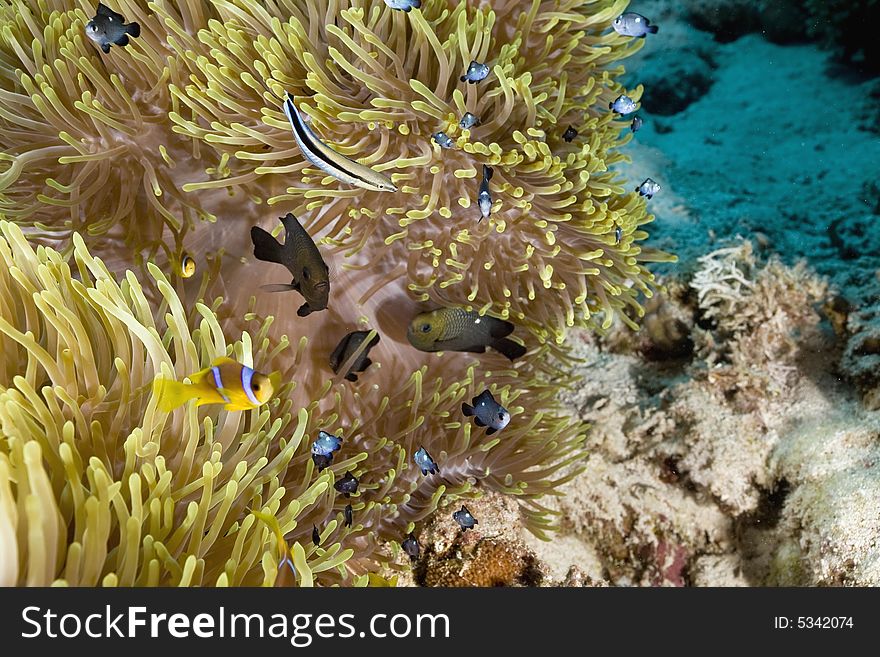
447 293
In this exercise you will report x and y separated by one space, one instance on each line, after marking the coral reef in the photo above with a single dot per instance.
492 554
860 362
686 483
828 527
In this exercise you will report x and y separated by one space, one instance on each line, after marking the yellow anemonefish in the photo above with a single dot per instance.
227 382
187 266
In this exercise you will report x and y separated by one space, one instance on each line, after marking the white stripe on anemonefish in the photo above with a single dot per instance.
247 375
218 383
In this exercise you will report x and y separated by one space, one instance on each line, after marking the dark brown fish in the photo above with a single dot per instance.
346 347
301 257
456 329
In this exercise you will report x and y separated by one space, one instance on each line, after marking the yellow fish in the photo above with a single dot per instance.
227 382
187 266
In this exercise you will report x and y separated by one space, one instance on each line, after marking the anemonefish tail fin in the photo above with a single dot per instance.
512 350
172 394
467 409
266 247
653 29
133 29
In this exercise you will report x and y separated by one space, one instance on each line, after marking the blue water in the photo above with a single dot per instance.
781 144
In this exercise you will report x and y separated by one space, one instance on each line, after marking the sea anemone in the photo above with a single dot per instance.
177 142
98 486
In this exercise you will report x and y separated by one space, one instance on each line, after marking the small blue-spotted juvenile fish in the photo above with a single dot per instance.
569 134
411 546
109 27
227 382
475 72
348 346
323 448
487 412
444 140
648 188
286 575
464 518
300 254
316 537
636 124
347 485
484 198
330 161
425 462
468 121
348 514
633 25
618 235
404 5
623 105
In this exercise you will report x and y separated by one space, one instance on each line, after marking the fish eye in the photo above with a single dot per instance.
256 387
501 416
426 328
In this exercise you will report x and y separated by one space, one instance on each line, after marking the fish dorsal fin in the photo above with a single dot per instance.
222 360
106 12
484 397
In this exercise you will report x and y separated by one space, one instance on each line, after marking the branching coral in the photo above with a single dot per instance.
760 313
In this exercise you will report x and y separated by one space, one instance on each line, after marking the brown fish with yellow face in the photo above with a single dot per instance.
311 276
456 329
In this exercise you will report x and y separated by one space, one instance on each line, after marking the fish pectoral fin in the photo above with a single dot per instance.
105 47
351 377
479 422
238 407
279 287
122 41
304 310
490 431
